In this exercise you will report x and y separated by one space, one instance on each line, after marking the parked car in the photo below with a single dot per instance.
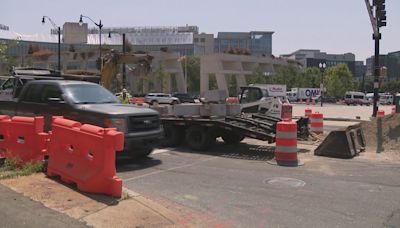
355 98
161 98
184 97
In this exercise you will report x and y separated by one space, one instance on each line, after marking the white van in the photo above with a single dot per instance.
355 98
386 99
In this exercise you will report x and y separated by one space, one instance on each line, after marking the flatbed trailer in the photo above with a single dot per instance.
200 133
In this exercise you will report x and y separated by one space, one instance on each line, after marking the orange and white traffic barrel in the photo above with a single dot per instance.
286 144
317 123
380 113
307 112
286 112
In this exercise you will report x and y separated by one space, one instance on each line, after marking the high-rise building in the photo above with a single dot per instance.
312 58
257 42
391 61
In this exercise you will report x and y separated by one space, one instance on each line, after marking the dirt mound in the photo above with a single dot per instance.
383 134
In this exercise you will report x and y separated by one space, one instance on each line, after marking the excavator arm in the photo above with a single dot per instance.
112 60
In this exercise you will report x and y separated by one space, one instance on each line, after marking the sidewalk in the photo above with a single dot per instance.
64 200
17 210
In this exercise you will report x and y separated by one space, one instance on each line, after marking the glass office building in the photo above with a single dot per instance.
257 42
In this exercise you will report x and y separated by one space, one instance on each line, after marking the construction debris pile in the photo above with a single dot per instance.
383 134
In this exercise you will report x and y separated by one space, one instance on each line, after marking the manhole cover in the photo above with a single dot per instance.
285 182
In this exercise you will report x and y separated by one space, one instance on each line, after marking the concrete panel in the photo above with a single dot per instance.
164 110
213 110
186 109
232 109
215 96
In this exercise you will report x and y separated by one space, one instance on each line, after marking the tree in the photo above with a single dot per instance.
287 75
193 73
161 74
337 80
7 61
309 78
390 86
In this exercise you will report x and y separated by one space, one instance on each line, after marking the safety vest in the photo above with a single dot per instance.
124 101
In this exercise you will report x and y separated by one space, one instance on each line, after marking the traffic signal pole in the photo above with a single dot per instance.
376 75
378 21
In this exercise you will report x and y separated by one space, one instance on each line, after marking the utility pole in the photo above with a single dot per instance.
377 21
123 64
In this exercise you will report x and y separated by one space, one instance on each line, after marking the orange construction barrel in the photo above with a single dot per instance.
317 123
286 144
307 112
286 113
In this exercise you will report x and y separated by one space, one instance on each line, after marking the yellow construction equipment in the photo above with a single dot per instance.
113 59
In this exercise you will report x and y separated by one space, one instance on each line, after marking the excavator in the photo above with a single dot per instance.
111 60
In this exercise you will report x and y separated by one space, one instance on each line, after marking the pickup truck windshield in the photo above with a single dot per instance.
89 94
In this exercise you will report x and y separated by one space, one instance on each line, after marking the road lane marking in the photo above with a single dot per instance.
170 169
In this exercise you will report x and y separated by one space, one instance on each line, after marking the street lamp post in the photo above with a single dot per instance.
100 26
59 39
123 52
322 67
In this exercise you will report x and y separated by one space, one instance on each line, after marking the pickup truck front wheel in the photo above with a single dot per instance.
141 152
199 138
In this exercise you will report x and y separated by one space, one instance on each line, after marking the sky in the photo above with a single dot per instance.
333 26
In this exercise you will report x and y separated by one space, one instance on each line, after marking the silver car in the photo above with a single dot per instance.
161 98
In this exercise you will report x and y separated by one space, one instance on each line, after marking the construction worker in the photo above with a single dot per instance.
124 97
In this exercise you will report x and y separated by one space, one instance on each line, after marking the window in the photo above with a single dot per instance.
9 84
50 91
196 40
202 40
89 94
32 94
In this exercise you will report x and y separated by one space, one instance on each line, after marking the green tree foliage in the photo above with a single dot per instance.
287 75
7 61
337 80
3 51
161 75
193 73
390 86
309 78
259 77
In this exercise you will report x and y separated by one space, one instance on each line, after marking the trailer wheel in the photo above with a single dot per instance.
173 135
199 138
232 137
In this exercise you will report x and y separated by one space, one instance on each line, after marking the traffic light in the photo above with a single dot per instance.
380 12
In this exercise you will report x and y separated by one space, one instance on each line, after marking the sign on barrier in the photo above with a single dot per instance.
85 155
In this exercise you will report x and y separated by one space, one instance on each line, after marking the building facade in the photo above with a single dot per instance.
257 42
391 61
313 57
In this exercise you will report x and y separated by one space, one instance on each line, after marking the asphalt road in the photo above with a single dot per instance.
234 186
17 211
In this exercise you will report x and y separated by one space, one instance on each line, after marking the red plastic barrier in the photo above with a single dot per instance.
137 100
232 100
23 138
85 155
380 113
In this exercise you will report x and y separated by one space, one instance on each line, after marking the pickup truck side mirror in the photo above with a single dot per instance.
55 100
